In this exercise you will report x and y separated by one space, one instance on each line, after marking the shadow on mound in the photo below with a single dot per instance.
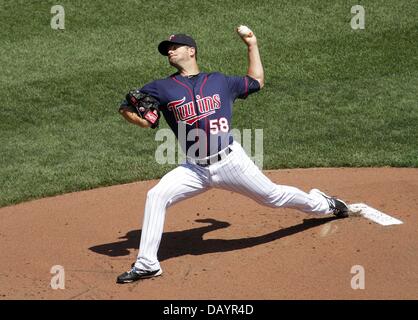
179 243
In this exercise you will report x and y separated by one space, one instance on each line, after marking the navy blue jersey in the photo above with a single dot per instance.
199 108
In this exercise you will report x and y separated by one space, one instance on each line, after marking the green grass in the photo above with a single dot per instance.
333 96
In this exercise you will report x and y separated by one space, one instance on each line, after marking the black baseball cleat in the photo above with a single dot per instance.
136 274
338 207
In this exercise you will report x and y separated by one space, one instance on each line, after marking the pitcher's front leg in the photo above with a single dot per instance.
181 183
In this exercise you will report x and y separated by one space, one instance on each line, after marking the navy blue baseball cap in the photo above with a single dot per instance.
183 39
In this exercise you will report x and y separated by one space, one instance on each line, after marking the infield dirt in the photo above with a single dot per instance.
218 245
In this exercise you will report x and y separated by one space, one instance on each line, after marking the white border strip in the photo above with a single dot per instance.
372 214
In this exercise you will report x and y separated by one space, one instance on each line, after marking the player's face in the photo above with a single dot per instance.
178 54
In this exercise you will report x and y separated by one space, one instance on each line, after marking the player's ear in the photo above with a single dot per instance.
192 52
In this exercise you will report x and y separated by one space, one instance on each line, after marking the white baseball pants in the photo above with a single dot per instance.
237 172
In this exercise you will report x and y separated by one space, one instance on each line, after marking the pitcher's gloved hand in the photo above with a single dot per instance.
146 106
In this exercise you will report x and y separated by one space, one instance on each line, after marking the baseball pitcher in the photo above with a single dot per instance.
199 105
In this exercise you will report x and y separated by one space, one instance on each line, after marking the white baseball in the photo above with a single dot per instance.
244 31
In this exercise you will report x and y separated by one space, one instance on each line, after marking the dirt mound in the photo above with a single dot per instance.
218 245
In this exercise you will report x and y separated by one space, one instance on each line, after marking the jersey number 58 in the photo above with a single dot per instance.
217 125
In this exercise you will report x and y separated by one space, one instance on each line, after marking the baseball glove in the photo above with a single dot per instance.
146 106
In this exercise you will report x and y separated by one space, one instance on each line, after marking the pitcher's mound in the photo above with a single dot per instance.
218 245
